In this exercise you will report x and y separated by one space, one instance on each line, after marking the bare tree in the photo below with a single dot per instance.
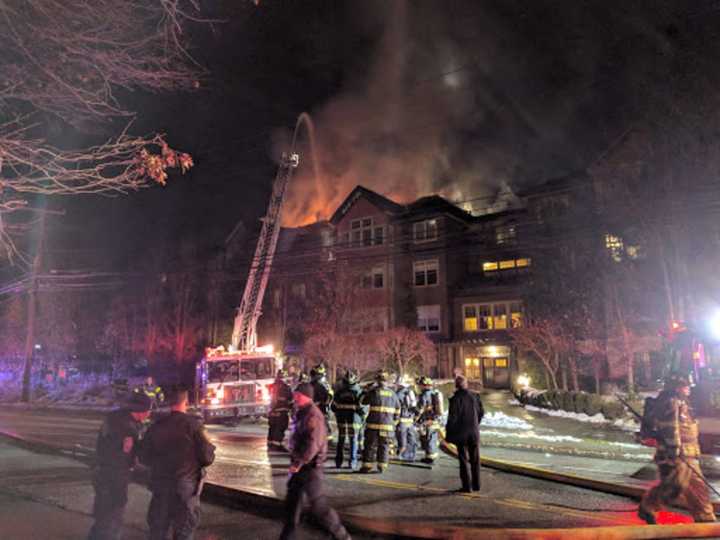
546 339
404 348
69 60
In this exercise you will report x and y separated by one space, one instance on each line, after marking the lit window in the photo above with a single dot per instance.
501 362
516 315
495 316
428 318
470 318
500 316
425 273
614 245
425 231
505 265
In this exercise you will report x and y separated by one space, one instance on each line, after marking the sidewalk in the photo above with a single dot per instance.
47 498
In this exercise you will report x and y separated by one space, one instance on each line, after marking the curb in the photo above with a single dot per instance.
631 492
232 497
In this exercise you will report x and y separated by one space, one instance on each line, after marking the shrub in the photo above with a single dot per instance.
612 410
593 404
551 397
581 400
567 401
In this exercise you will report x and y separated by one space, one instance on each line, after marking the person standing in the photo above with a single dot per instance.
349 415
430 411
405 431
152 390
308 450
383 413
280 406
117 446
177 450
677 456
463 430
323 394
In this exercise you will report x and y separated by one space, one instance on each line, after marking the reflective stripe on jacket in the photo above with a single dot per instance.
384 407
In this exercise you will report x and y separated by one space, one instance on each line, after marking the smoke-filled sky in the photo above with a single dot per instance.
407 98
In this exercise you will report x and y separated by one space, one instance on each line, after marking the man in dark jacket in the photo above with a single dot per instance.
308 450
177 450
462 430
117 445
349 415
280 406
323 393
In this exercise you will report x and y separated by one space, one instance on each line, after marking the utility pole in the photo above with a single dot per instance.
31 311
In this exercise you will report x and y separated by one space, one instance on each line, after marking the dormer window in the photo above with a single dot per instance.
425 231
363 232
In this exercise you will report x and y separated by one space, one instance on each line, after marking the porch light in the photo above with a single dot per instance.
523 381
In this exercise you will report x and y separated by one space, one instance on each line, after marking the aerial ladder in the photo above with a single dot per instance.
244 336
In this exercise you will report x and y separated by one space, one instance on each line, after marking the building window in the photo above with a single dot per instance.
428 318
472 368
298 290
615 247
369 321
426 273
363 232
425 231
492 316
505 235
374 279
506 264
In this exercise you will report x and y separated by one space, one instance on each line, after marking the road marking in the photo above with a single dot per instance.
513 503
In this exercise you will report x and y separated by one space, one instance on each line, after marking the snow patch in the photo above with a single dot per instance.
531 435
499 419
626 424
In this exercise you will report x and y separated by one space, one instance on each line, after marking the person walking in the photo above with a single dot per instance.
383 414
177 450
463 430
349 414
308 450
677 456
117 446
280 406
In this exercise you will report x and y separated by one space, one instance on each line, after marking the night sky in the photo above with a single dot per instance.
408 98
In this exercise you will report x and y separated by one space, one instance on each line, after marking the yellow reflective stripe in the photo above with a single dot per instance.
380 408
387 393
406 420
345 407
381 427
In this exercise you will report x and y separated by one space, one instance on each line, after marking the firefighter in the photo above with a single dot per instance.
430 411
677 456
117 446
383 414
152 390
349 414
280 407
405 431
323 394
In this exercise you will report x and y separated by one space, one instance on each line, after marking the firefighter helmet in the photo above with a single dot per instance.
382 376
425 381
281 374
678 380
318 371
351 377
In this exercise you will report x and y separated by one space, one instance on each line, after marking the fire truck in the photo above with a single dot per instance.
234 382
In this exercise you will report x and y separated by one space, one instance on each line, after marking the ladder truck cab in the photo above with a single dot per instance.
234 383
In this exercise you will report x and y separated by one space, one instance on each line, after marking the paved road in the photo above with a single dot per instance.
403 492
